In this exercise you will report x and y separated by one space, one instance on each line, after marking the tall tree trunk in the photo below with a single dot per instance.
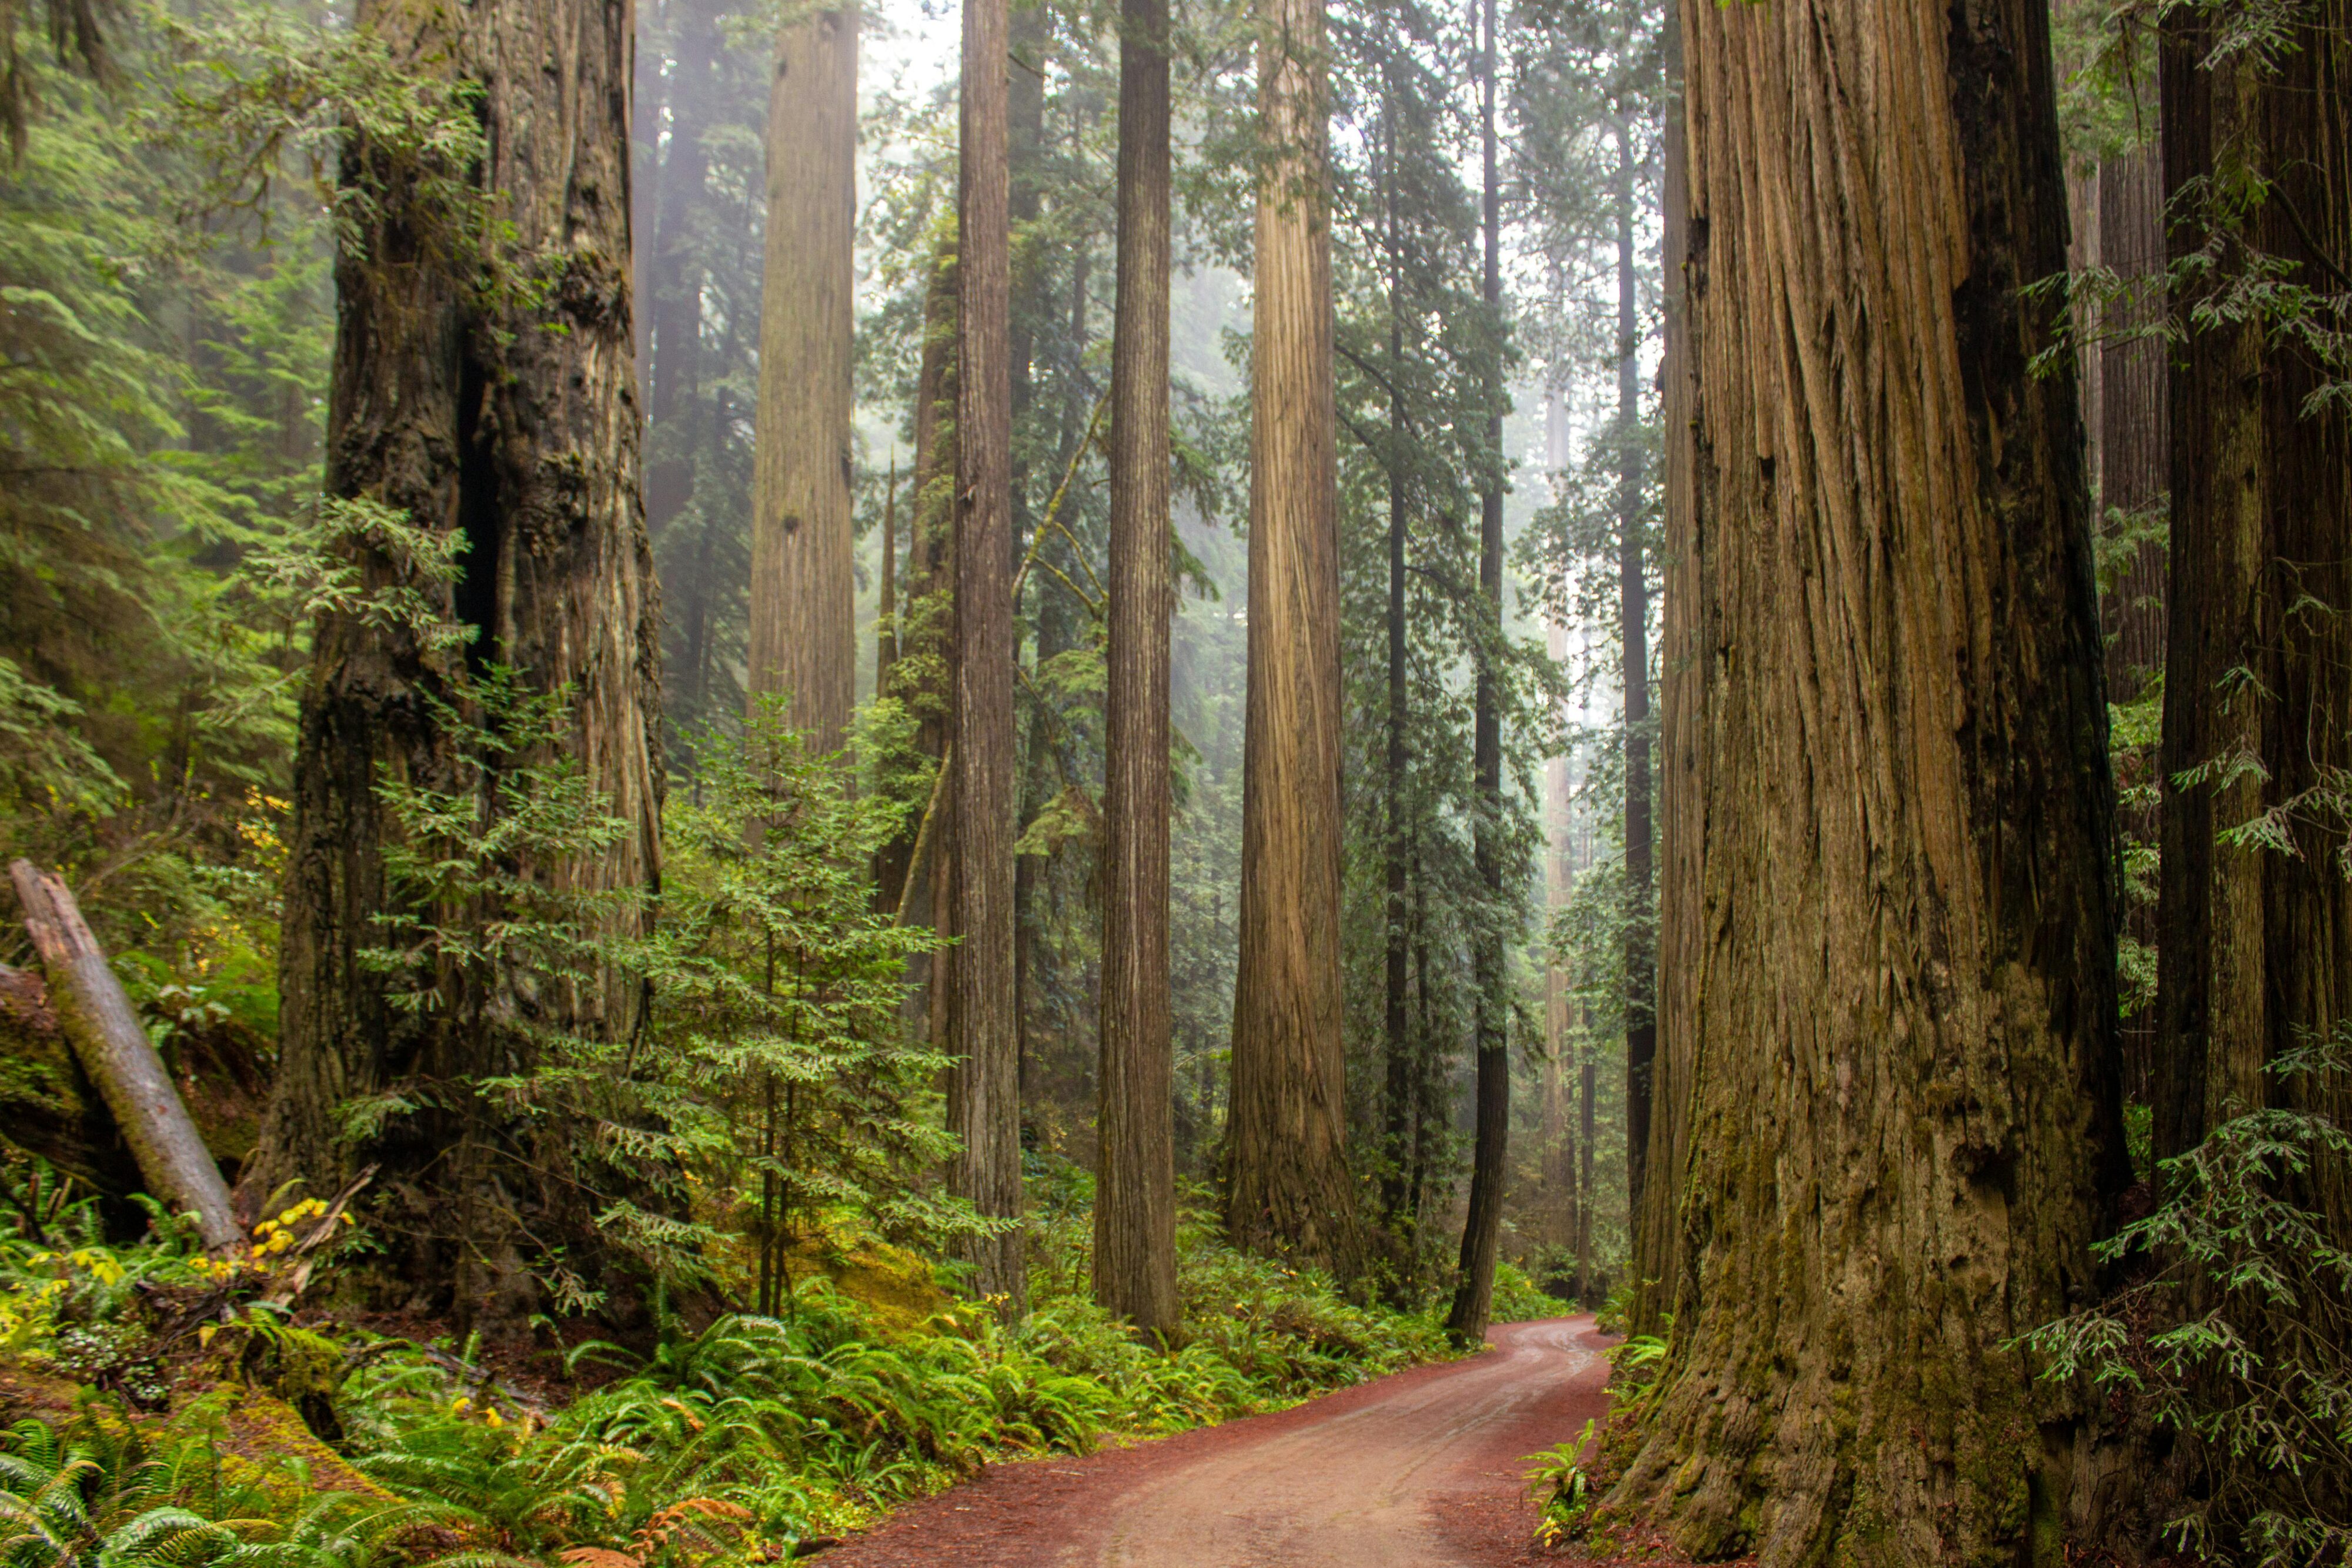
885 598
1655 1252
1633 672
804 570
2257 937
1481 1229
2134 445
925 619
671 302
984 1100
1288 1191
1904 1121
1135 1203
1399 1101
509 416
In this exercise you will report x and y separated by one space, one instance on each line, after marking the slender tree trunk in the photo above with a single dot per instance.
2134 440
1653 1219
1481 1229
1587 1146
1903 1122
984 1101
803 569
886 606
1633 672
2256 954
1288 1191
1399 1099
1134 1202
509 416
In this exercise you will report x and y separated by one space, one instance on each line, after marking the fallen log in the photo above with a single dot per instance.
114 1049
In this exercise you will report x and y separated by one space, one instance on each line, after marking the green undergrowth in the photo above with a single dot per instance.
734 1442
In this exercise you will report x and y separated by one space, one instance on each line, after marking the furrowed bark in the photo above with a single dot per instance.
507 414
804 571
1903 1123
985 1099
1135 1200
1288 1192
1482 1226
114 1049
2256 954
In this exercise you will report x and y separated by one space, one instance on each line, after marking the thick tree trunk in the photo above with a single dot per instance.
97 1020
1482 1228
509 416
803 569
2257 936
1654 1220
1288 1191
1135 1200
984 1100
1904 1121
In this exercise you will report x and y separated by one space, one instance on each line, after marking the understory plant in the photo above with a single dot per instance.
2234 1344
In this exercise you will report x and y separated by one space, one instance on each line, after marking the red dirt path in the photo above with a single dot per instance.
1418 1471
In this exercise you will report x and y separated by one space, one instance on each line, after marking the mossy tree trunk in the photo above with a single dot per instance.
2256 951
509 414
1902 1121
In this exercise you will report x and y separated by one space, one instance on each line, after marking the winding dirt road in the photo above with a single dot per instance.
1418 1471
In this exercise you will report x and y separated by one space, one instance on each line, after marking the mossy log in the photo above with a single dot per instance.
114 1049
48 1106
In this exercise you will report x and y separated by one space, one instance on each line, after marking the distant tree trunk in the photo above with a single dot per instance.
1655 1252
925 616
1134 1202
510 415
2134 443
1399 1099
1288 1192
804 570
2257 937
1481 1229
984 1100
886 603
1587 1144
1634 674
1904 1130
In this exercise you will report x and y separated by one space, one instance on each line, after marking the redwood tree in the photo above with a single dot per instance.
1288 1191
1900 990
803 573
506 414
1481 1229
984 1097
1135 1195
2256 915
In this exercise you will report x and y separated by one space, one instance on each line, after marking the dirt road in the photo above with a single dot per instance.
1420 1470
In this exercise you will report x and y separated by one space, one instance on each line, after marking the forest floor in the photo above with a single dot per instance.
1421 1469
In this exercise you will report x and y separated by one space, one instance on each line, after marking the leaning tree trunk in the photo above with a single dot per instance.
985 1099
1482 1226
1135 1205
2257 934
97 1020
509 414
1903 1113
1288 1192
803 568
